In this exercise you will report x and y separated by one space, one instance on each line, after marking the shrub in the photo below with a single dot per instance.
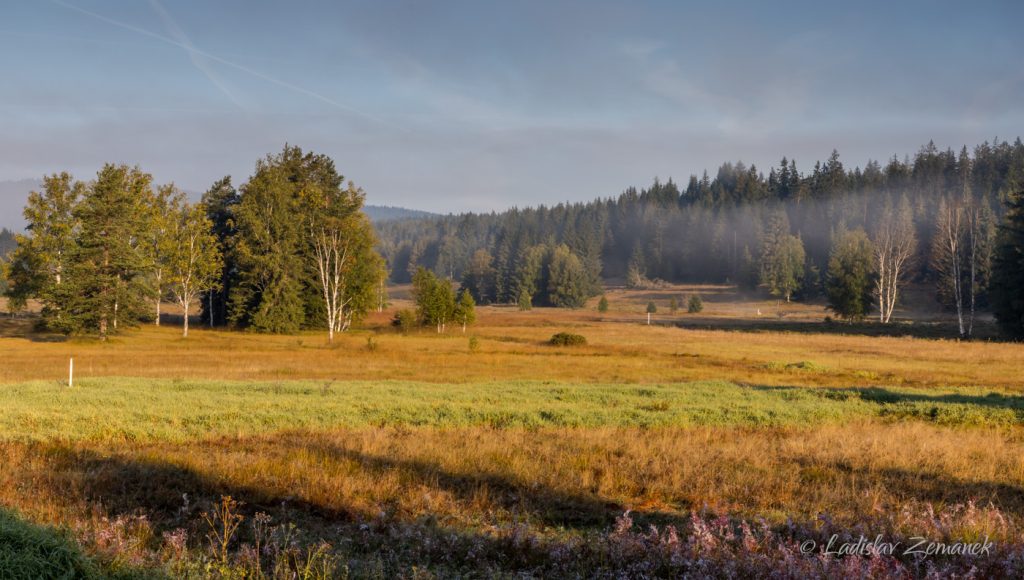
673 305
602 304
474 345
568 339
651 307
371 344
695 305
525 301
404 320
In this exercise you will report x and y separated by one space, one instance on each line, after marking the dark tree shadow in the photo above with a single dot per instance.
883 396
919 329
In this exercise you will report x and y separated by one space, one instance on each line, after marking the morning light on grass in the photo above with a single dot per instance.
616 290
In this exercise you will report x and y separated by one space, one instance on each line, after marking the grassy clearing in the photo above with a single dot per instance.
426 457
513 345
126 409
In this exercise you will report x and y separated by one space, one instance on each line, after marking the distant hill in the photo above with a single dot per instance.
14 193
12 200
386 213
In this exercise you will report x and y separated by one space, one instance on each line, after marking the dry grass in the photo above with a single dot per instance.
464 495
553 482
621 348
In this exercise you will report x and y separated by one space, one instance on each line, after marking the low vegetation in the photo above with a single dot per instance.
568 339
652 451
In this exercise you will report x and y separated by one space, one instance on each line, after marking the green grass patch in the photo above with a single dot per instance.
135 409
30 551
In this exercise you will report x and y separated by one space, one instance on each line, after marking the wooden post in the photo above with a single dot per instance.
71 372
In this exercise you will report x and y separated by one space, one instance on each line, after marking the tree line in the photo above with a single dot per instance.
856 237
289 249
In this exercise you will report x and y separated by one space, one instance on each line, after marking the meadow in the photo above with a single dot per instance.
713 444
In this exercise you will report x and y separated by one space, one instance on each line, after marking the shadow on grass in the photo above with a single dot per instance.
26 327
918 485
123 485
551 506
133 482
922 329
883 396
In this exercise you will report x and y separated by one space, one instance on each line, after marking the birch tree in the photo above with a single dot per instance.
193 257
338 235
894 245
40 263
163 203
947 256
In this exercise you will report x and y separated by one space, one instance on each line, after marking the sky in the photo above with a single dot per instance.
477 106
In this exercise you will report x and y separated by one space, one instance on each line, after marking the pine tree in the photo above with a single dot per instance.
478 277
104 289
849 279
782 258
220 201
567 279
1008 270
602 304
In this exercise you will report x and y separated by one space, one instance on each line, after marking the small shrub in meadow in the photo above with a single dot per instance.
695 305
602 304
474 345
651 307
371 344
404 320
525 301
568 339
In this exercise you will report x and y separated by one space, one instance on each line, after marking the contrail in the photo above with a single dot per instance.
197 59
245 69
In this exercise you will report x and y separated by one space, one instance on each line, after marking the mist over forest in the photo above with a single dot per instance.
715 228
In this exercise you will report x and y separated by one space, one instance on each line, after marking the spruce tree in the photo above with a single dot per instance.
1007 293
220 201
568 286
849 279
105 290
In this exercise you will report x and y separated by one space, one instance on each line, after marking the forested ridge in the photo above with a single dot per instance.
292 249
743 226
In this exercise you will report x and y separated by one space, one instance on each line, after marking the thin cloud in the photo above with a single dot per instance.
194 55
215 58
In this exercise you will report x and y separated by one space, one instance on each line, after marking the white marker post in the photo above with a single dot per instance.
648 319
71 372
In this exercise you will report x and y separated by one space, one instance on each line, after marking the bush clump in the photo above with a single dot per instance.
568 339
695 305
404 320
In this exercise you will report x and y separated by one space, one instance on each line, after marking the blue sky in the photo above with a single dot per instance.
478 105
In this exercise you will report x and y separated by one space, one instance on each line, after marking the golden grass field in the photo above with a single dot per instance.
421 458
